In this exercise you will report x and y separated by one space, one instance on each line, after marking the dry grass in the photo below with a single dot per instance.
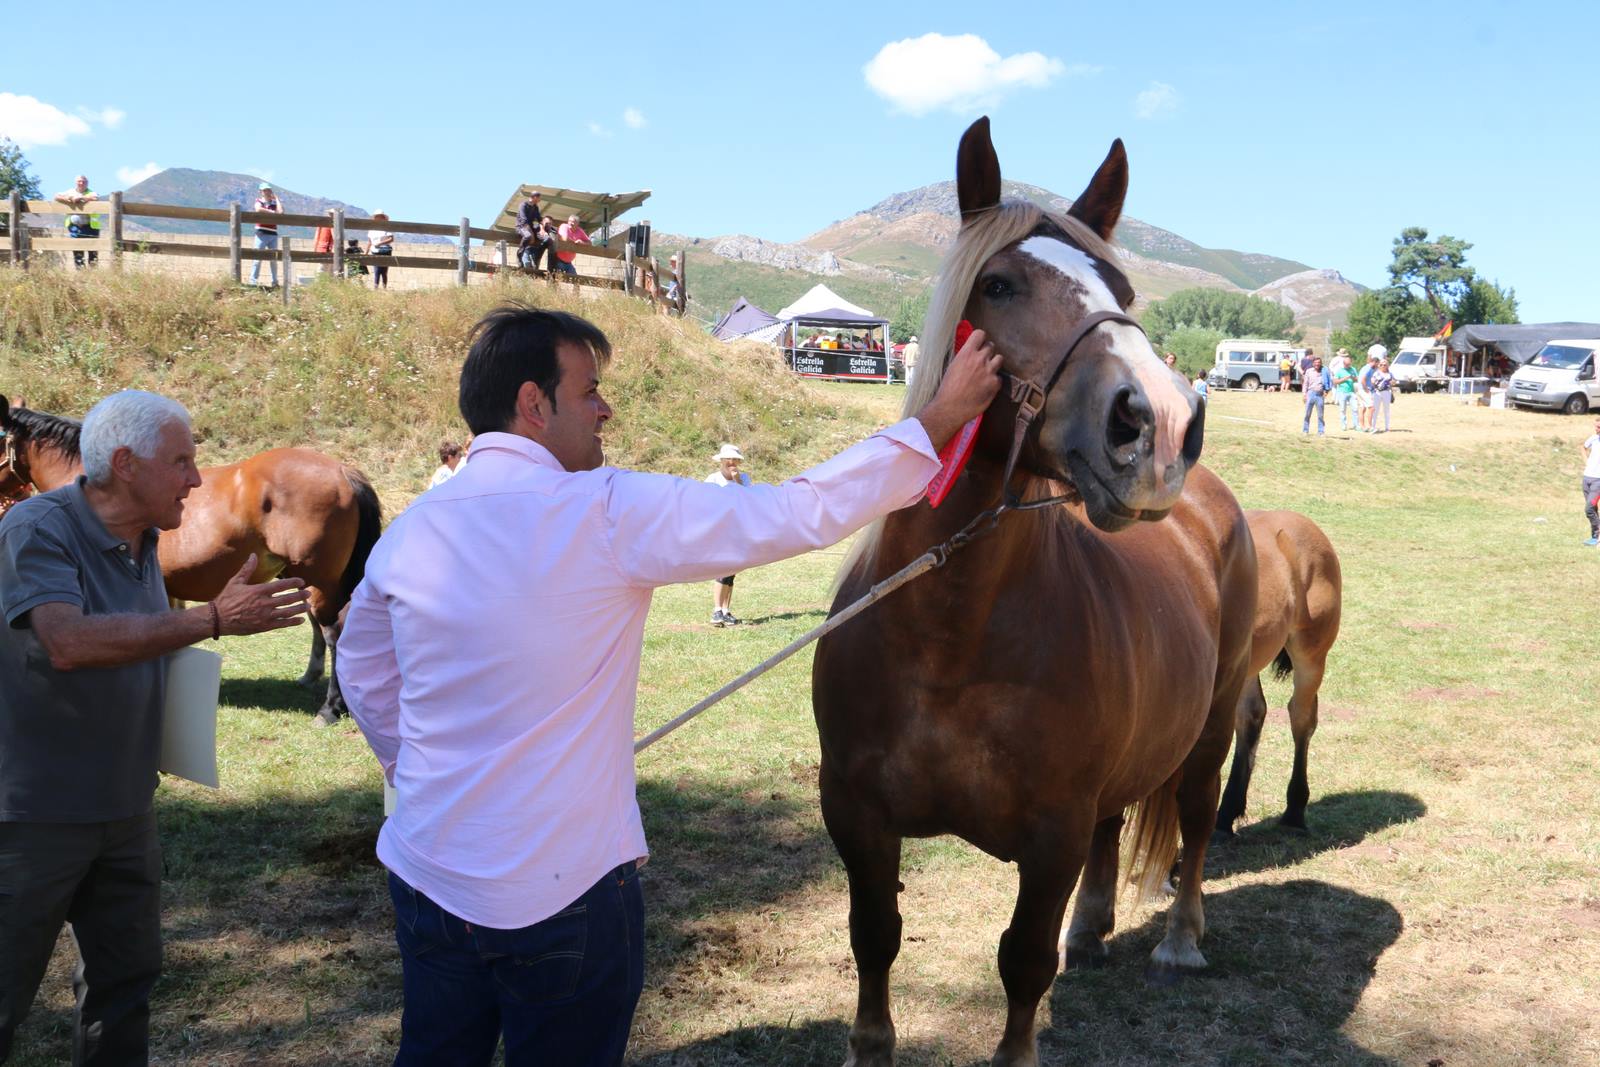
1443 907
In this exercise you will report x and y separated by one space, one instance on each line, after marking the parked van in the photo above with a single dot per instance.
1420 364
1251 365
1561 376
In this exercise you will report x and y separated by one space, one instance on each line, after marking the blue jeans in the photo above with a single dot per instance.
564 266
265 240
1347 411
1313 400
561 991
75 230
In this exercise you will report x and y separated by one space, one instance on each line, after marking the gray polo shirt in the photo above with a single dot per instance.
83 745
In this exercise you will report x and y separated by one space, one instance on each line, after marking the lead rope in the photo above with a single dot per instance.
1029 397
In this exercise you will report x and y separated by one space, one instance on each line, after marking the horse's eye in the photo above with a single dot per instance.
997 288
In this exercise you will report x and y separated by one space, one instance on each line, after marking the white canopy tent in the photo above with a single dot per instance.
821 298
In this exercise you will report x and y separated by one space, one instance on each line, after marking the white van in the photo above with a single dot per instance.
1251 365
1419 364
1561 376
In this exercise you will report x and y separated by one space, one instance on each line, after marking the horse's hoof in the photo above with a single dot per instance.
308 681
1087 959
324 717
1293 822
1221 836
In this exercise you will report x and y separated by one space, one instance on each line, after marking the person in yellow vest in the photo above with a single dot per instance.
84 226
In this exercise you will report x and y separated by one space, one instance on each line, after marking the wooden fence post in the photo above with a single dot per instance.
14 227
465 266
682 301
234 255
338 242
288 271
116 231
500 254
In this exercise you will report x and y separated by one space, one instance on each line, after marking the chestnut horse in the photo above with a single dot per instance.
1298 600
304 515
1057 672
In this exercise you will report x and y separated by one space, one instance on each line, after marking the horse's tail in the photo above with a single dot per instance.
1150 843
369 524
1283 665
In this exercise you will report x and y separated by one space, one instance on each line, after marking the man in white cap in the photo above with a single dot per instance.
727 473
912 351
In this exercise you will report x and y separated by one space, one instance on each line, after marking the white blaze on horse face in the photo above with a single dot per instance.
1127 344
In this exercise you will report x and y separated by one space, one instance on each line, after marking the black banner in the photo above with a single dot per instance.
838 363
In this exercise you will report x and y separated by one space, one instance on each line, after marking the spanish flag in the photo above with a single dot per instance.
1444 334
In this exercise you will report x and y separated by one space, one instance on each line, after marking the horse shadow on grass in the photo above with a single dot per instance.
271 694
1289 964
1334 821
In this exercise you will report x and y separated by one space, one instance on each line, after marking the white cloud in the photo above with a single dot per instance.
32 123
1158 101
135 175
598 130
960 74
634 118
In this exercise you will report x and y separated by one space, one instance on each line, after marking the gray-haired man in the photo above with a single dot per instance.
82 653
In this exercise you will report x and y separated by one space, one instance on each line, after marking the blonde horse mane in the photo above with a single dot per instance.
978 239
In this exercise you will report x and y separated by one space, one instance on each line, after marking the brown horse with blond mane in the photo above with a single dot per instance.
1058 672
303 514
1298 602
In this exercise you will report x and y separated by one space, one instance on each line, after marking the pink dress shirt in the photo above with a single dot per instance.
491 654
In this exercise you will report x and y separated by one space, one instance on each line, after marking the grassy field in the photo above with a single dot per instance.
1444 907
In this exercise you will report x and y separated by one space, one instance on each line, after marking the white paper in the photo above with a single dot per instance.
189 720
390 796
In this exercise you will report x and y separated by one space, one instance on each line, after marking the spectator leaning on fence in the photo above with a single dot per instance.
323 245
380 242
82 226
572 233
491 658
83 657
266 233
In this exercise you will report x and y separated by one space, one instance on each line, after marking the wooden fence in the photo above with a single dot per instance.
638 275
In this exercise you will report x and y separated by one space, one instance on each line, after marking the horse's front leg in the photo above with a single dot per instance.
1250 715
318 663
1028 957
871 856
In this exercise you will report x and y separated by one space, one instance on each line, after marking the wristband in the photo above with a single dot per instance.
216 621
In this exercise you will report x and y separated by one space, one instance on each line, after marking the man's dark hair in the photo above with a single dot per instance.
515 344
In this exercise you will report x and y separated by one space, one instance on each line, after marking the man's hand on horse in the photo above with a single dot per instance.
243 608
970 382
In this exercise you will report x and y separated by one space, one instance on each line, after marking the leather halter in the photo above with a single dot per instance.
1030 397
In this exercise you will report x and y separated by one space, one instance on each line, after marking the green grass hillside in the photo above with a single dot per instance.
715 283
371 376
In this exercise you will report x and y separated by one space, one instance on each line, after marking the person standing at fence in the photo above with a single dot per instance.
491 658
573 233
323 244
1381 385
1315 382
83 649
530 228
380 242
1344 388
266 234
86 227
1591 484
728 459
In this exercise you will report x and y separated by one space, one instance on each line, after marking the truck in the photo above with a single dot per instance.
1421 364
1244 363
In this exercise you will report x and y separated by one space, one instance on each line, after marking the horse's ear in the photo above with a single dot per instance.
977 171
1100 206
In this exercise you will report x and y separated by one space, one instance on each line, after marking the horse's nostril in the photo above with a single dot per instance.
1194 438
1129 416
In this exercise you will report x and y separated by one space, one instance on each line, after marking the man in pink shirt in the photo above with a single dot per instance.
491 658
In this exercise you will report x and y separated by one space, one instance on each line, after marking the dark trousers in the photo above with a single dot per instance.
530 251
562 991
74 230
105 879
1591 509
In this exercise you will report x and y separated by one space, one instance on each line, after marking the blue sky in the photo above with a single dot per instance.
1314 132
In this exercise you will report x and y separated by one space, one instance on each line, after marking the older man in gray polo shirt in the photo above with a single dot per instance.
82 656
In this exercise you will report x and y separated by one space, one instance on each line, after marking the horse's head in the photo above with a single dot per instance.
1117 424
13 483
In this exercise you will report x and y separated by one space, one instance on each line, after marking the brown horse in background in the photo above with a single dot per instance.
303 514
1299 598
1056 673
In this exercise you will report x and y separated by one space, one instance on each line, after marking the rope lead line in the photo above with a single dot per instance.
935 557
